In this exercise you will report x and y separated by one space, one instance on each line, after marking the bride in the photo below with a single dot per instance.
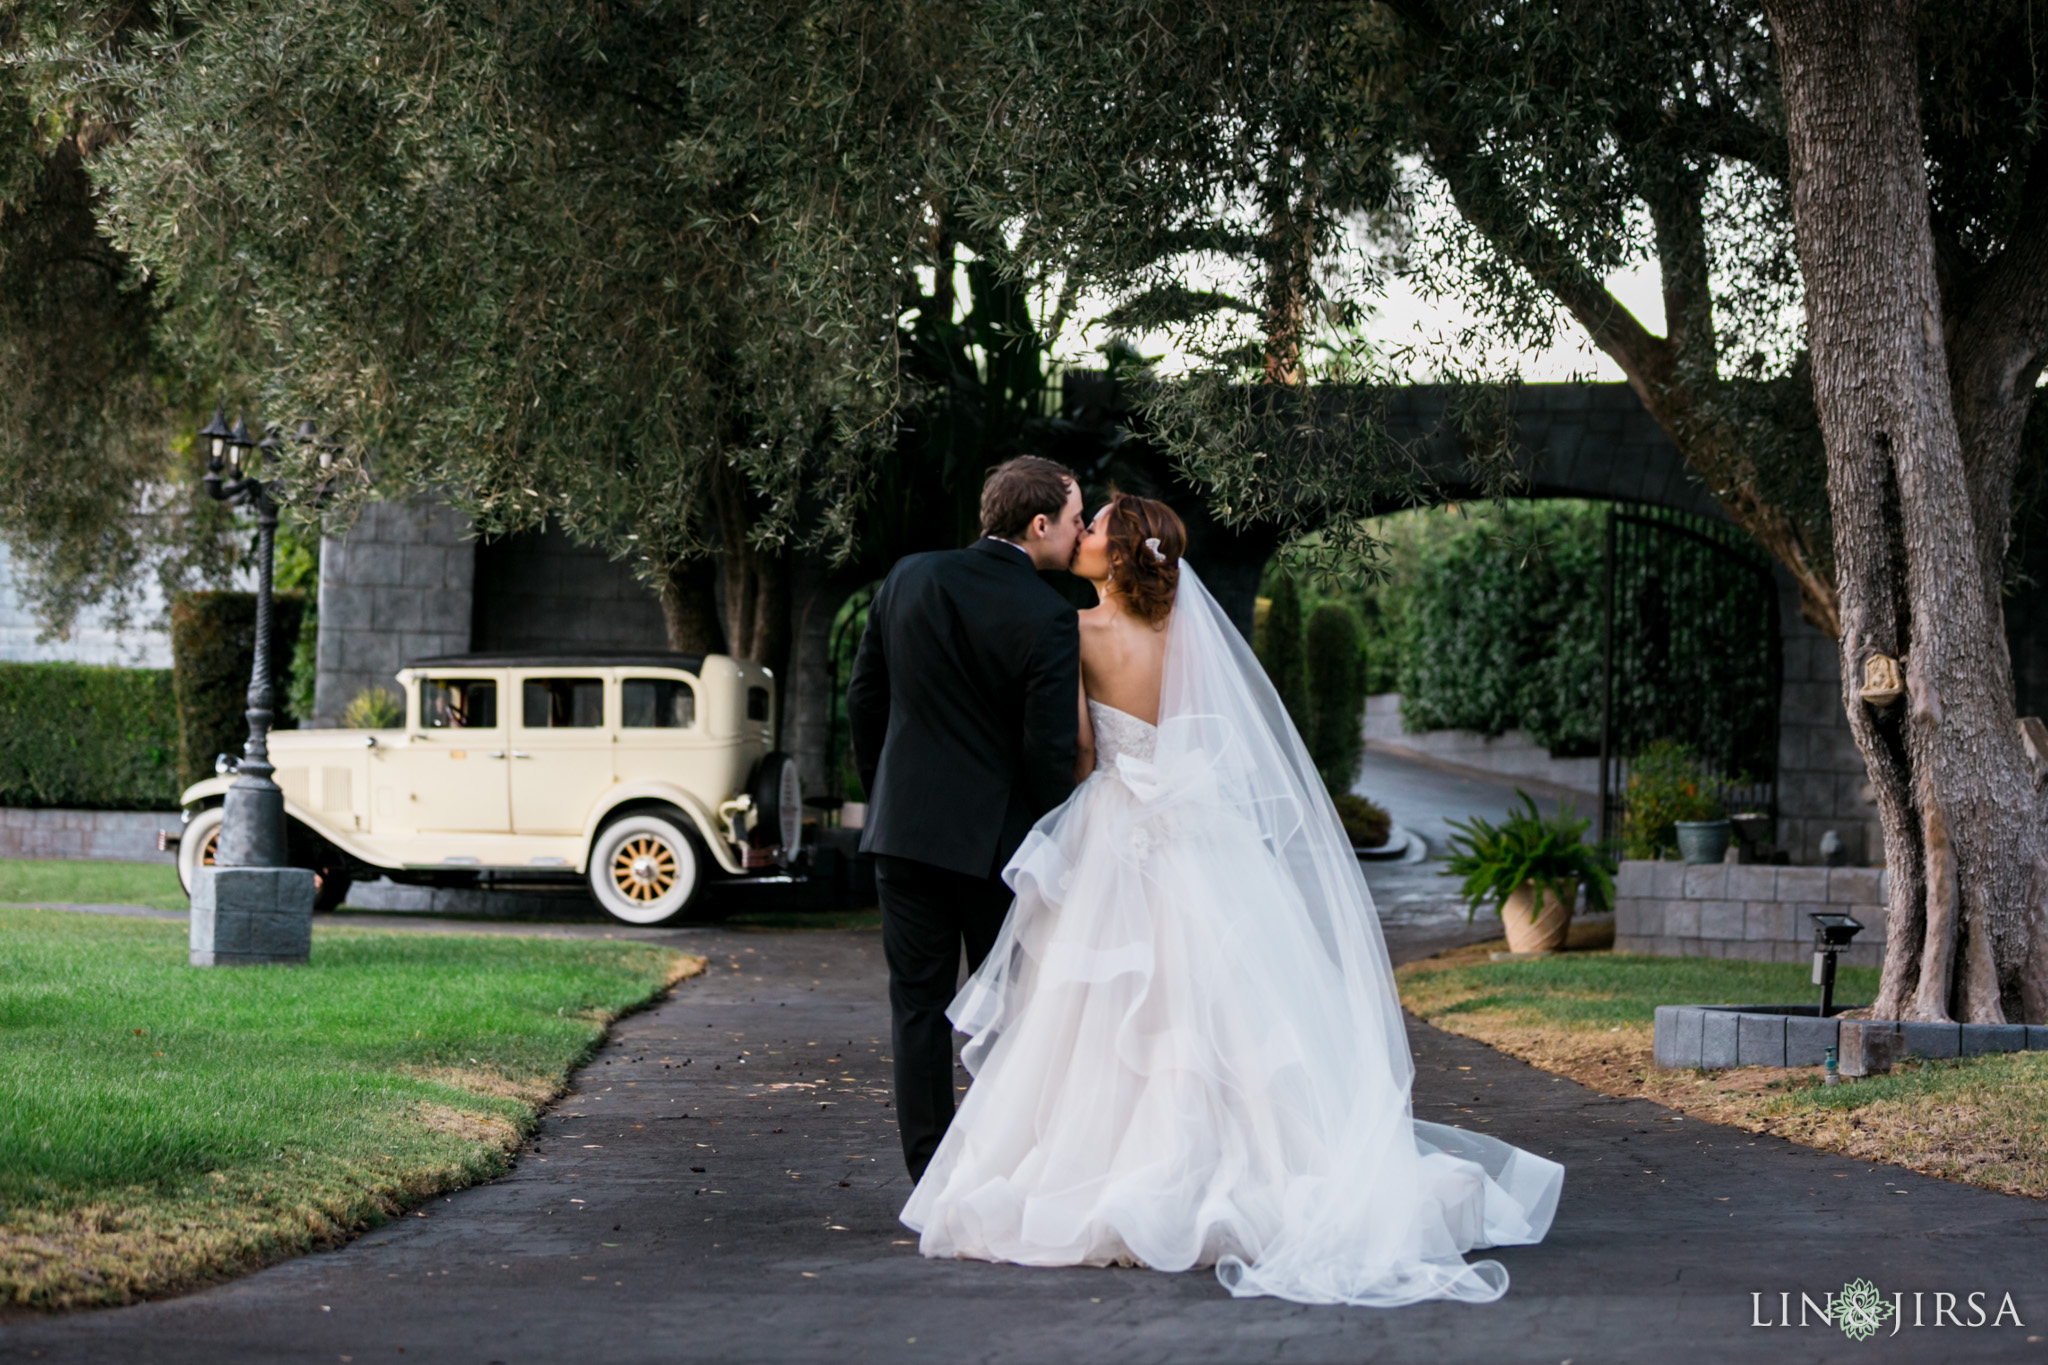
1186 1045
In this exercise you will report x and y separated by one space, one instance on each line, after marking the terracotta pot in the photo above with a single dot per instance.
1545 933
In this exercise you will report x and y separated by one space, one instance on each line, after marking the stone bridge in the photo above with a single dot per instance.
412 580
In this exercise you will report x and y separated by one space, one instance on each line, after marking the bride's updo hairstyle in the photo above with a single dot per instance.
1146 541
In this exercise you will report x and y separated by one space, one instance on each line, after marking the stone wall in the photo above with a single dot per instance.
1512 754
398 586
144 642
1756 913
540 590
109 836
1821 782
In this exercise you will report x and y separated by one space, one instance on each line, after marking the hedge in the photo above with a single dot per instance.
213 650
1501 623
85 737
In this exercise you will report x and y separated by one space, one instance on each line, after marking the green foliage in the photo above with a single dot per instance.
638 268
1281 653
1502 619
302 669
213 652
1665 785
374 708
1334 662
1366 823
1549 853
90 738
236 1115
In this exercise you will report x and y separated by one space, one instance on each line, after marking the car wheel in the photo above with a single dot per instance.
198 846
646 868
778 792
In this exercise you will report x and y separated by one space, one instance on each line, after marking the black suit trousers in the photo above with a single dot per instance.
928 915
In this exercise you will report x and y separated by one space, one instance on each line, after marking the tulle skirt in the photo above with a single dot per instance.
1173 1068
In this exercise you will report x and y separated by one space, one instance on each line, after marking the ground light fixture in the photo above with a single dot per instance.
1831 934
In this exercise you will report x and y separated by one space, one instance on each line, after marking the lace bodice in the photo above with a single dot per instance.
1119 732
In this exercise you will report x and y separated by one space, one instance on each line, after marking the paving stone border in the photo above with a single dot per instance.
1716 1037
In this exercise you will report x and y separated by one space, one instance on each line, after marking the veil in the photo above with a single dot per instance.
1294 1027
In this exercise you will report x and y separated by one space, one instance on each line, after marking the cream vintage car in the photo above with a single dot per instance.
648 775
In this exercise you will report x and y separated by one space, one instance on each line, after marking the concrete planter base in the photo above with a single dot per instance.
1716 1037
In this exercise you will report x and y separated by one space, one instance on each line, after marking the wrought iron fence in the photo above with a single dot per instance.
1690 653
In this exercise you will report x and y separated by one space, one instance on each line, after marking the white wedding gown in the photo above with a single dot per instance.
1186 1045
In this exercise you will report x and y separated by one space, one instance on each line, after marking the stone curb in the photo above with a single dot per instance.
1716 1037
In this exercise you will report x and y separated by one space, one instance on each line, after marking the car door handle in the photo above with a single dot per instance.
520 753
495 753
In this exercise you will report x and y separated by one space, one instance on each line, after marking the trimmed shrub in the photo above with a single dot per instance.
1502 623
1336 695
213 651
85 737
1280 651
1366 823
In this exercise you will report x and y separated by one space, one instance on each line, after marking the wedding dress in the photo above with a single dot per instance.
1186 1045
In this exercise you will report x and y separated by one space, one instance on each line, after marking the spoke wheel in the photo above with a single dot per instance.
644 869
647 867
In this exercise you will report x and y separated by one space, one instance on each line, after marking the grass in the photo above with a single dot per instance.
90 883
162 1126
1588 1015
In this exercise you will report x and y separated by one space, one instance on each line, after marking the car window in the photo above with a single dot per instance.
458 704
658 704
561 703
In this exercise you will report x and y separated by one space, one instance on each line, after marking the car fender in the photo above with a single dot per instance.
204 793
669 794
199 792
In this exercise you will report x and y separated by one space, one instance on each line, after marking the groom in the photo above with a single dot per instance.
964 709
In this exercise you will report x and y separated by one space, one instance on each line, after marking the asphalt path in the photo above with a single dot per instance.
722 1183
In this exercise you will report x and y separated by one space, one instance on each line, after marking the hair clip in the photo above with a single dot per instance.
1152 544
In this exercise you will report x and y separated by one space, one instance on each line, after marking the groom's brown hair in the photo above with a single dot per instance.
1017 490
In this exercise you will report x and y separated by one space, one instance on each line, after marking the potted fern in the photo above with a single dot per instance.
1529 869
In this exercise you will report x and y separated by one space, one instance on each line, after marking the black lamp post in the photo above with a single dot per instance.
252 831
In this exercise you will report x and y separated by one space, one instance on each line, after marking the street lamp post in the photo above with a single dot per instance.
252 832
251 906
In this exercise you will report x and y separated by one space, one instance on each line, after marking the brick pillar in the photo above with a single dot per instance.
398 586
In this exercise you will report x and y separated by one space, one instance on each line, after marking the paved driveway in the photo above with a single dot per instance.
722 1185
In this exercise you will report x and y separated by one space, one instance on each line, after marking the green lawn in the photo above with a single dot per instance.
1589 1016
1586 990
82 883
160 1125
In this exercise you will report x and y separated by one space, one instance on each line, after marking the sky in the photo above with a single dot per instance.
1403 317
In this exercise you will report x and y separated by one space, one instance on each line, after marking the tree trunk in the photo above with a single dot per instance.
1962 835
689 607
755 577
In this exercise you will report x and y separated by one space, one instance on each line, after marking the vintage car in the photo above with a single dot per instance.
649 775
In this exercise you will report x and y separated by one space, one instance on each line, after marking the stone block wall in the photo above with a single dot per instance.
1822 785
101 836
398 585
1512 755
95 638
540 590
1748 911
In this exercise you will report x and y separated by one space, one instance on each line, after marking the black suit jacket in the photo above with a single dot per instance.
963 707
